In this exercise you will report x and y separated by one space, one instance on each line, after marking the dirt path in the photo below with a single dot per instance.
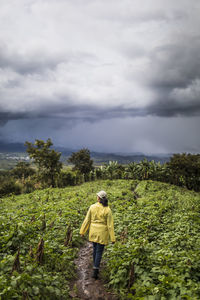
85 287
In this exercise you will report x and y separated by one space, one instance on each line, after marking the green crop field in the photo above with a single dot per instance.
156 255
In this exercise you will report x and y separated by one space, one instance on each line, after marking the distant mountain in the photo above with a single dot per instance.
98 157
122 158
126 159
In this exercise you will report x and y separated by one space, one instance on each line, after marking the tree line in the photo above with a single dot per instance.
47 170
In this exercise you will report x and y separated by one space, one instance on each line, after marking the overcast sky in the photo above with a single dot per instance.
109 75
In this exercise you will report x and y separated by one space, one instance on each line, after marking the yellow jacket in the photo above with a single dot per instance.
100 221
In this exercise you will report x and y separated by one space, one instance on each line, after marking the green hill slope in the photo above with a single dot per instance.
156 254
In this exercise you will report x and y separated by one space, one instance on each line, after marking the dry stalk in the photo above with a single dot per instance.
40 252
16 263
131 276
68 237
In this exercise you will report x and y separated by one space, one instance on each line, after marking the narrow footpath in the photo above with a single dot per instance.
85 287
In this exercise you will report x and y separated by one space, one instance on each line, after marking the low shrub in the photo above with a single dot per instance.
66 179
10 187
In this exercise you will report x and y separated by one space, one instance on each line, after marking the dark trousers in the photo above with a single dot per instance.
97 254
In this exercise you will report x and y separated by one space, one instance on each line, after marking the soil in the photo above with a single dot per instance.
85 287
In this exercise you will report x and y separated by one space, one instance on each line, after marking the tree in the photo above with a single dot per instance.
46 159
23 170
185 170
82 161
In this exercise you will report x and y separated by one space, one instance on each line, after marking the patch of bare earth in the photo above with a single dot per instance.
85 287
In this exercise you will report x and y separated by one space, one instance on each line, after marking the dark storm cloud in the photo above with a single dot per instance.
82 67
8 116
92 114
174 75
73 114
68 63
176 65
166 108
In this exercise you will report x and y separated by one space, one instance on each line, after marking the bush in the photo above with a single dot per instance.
22 170
66 179
10 187
29 186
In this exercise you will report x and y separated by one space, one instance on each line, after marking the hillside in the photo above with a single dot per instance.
156 254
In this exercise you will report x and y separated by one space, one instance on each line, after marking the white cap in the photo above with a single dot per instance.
102 194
